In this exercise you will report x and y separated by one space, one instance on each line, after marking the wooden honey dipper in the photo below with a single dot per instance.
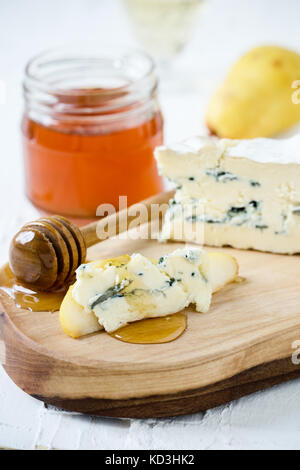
45 253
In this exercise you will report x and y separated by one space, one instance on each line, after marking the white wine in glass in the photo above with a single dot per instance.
163 27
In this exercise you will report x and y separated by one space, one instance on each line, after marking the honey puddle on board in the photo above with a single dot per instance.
27 298
148 331
153 330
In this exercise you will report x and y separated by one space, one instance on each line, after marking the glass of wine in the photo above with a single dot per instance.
163 27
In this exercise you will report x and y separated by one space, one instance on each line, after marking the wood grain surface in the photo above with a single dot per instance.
243 344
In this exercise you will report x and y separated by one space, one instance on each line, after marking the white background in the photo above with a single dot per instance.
269 419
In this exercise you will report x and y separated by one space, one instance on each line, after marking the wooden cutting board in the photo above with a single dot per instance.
244 344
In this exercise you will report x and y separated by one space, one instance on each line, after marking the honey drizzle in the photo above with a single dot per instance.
239 280
26 297
148 331
152 330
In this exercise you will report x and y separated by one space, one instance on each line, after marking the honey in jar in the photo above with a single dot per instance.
91 123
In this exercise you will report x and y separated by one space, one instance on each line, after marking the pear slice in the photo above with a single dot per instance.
74 320
220 269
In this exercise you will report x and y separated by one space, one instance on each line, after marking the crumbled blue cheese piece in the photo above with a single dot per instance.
140 288
185 266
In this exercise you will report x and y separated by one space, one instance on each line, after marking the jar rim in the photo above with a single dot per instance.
84 52
88 80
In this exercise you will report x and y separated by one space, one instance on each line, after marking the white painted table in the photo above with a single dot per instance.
270 419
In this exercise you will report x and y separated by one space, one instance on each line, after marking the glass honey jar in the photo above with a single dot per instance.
90 125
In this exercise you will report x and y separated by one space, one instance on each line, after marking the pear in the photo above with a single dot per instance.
256 98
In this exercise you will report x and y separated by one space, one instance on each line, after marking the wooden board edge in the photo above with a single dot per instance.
158 406
20 360
163 406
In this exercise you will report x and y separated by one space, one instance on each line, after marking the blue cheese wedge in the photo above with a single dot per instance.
243 193
111 293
